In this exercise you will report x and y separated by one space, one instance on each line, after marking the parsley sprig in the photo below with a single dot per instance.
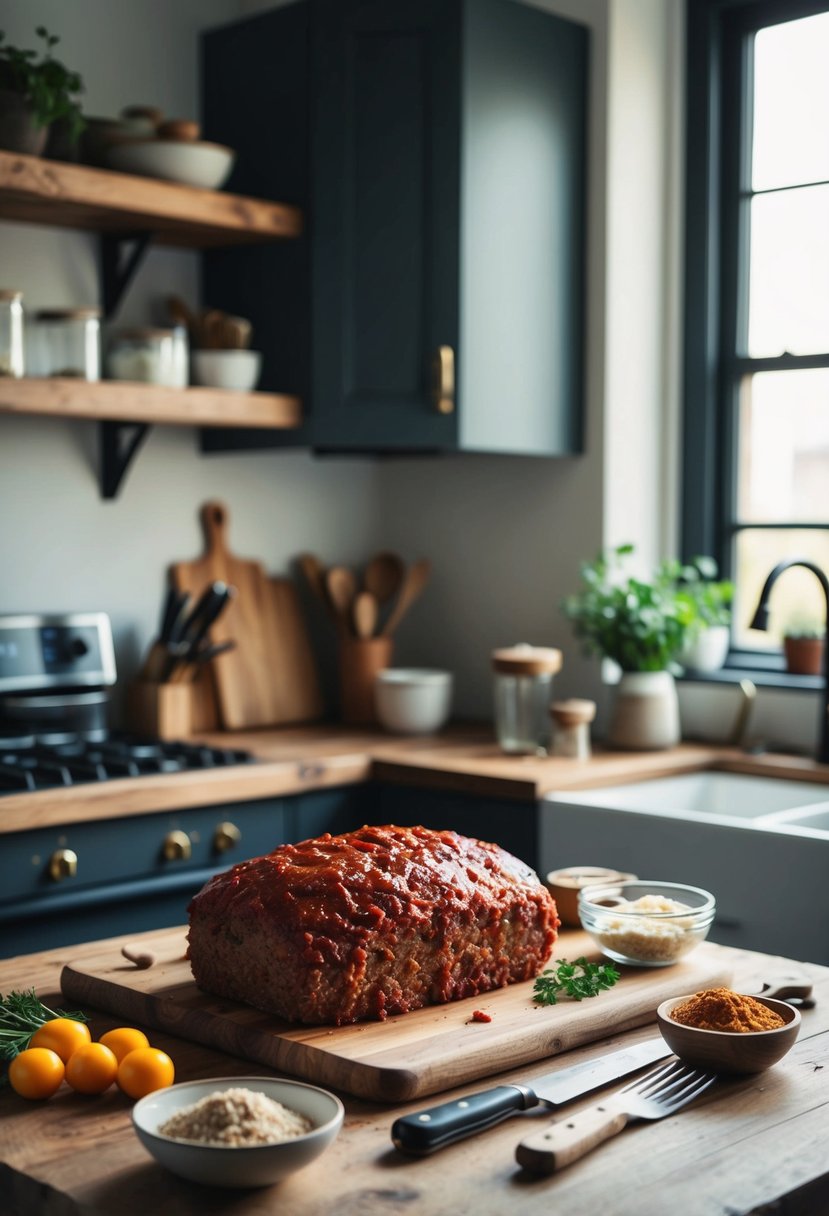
21 1014
578 980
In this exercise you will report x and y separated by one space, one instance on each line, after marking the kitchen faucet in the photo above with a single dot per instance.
760 620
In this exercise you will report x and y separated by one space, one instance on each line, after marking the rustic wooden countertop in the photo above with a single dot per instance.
298 759
749 1145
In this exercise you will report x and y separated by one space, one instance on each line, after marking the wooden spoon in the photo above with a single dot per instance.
314 572
415 579
383 576
364 613
342 588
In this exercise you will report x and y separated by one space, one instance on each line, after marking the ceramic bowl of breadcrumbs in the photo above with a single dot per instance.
722 1031
237 1131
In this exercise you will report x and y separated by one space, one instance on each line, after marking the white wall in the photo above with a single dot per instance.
505 534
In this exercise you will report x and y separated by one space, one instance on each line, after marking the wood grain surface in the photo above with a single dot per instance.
748 1145
423 1052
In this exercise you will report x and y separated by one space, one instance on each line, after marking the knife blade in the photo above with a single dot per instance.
426 1131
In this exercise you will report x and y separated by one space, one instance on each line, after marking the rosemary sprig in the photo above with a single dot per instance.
21 1014
577 980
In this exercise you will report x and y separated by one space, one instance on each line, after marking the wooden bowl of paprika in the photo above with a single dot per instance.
725 1032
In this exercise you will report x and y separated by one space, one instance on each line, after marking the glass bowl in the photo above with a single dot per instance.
646 924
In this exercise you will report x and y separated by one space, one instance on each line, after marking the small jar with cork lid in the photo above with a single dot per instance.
571 727
523 691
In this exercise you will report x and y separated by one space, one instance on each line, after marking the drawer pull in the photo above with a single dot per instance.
443 380
63 864
226 836
177 846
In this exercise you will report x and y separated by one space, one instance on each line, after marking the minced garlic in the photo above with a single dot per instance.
648 940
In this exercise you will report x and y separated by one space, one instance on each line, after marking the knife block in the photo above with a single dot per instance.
164 711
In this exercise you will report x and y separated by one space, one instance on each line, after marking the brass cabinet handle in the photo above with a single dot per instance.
226 836
177 846
63 864
443 391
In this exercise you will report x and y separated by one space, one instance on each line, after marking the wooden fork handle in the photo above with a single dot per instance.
563 1142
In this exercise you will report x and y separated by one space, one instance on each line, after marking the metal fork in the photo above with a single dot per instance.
661 1092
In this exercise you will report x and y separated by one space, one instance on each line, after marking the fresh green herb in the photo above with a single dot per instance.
577 980
21 1014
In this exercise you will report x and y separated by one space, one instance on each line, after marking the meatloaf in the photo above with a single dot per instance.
374 922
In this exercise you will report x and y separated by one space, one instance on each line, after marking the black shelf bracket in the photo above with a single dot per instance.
119 442
121 255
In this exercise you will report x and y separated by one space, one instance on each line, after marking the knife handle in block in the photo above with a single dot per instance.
564 1142
428 1130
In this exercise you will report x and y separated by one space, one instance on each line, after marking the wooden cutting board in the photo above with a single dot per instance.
424 1052
270 677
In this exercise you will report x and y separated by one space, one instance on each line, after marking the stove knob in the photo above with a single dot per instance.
177 846
226 836
63 864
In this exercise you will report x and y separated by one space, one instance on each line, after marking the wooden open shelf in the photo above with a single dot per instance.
39 191
122 401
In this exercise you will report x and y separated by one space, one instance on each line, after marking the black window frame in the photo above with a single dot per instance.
718 95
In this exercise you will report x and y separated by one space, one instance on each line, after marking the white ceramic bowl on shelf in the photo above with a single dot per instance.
413 700
232 369
188 162
220 1165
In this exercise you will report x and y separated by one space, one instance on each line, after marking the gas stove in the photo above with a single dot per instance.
60 758
55 672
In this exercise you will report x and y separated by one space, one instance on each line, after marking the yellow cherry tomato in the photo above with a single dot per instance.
144 1070
123 1040
36 1072
91 1069
61 1035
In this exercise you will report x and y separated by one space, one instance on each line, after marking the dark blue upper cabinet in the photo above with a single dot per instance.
446 214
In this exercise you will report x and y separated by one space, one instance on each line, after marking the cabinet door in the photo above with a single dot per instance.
386 160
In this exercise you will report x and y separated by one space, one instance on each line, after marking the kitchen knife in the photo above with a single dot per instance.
426 1131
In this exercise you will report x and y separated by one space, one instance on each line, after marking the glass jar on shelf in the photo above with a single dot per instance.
523 692
66 342
149 356
12 358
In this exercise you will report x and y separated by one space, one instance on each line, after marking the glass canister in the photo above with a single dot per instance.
67 342
523 692
148 356
12 359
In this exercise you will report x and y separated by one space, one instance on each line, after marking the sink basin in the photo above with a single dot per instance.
722 795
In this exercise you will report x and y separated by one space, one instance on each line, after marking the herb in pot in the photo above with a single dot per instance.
21 1014
46 85
576 980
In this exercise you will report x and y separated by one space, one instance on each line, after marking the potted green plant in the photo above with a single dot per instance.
803 646
709 633
36 91
641 625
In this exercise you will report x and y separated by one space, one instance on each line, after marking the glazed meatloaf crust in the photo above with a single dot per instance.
374 922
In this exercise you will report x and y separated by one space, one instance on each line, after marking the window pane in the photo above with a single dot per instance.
797 598
791 103
789 272
784 448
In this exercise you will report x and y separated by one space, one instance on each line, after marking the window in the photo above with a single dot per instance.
756 461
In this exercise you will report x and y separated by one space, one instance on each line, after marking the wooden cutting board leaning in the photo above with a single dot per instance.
270 677
423 1052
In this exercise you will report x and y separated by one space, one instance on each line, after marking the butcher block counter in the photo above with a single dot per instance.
749 1145
295 760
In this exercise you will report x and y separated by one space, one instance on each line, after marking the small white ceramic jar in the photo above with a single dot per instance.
148 356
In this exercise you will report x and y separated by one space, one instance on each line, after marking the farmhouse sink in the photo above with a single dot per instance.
759 843
709 794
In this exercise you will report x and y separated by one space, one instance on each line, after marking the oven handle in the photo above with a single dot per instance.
107 893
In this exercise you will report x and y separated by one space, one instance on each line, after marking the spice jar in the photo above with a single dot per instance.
67 342
571 727
523 690
149 356
12 361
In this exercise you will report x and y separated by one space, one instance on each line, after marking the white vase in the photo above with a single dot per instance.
709 649
645 714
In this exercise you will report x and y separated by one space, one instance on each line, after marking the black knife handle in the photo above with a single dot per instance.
426 1131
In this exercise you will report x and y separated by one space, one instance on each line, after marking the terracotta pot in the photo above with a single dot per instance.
645 713
804 656
18 130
